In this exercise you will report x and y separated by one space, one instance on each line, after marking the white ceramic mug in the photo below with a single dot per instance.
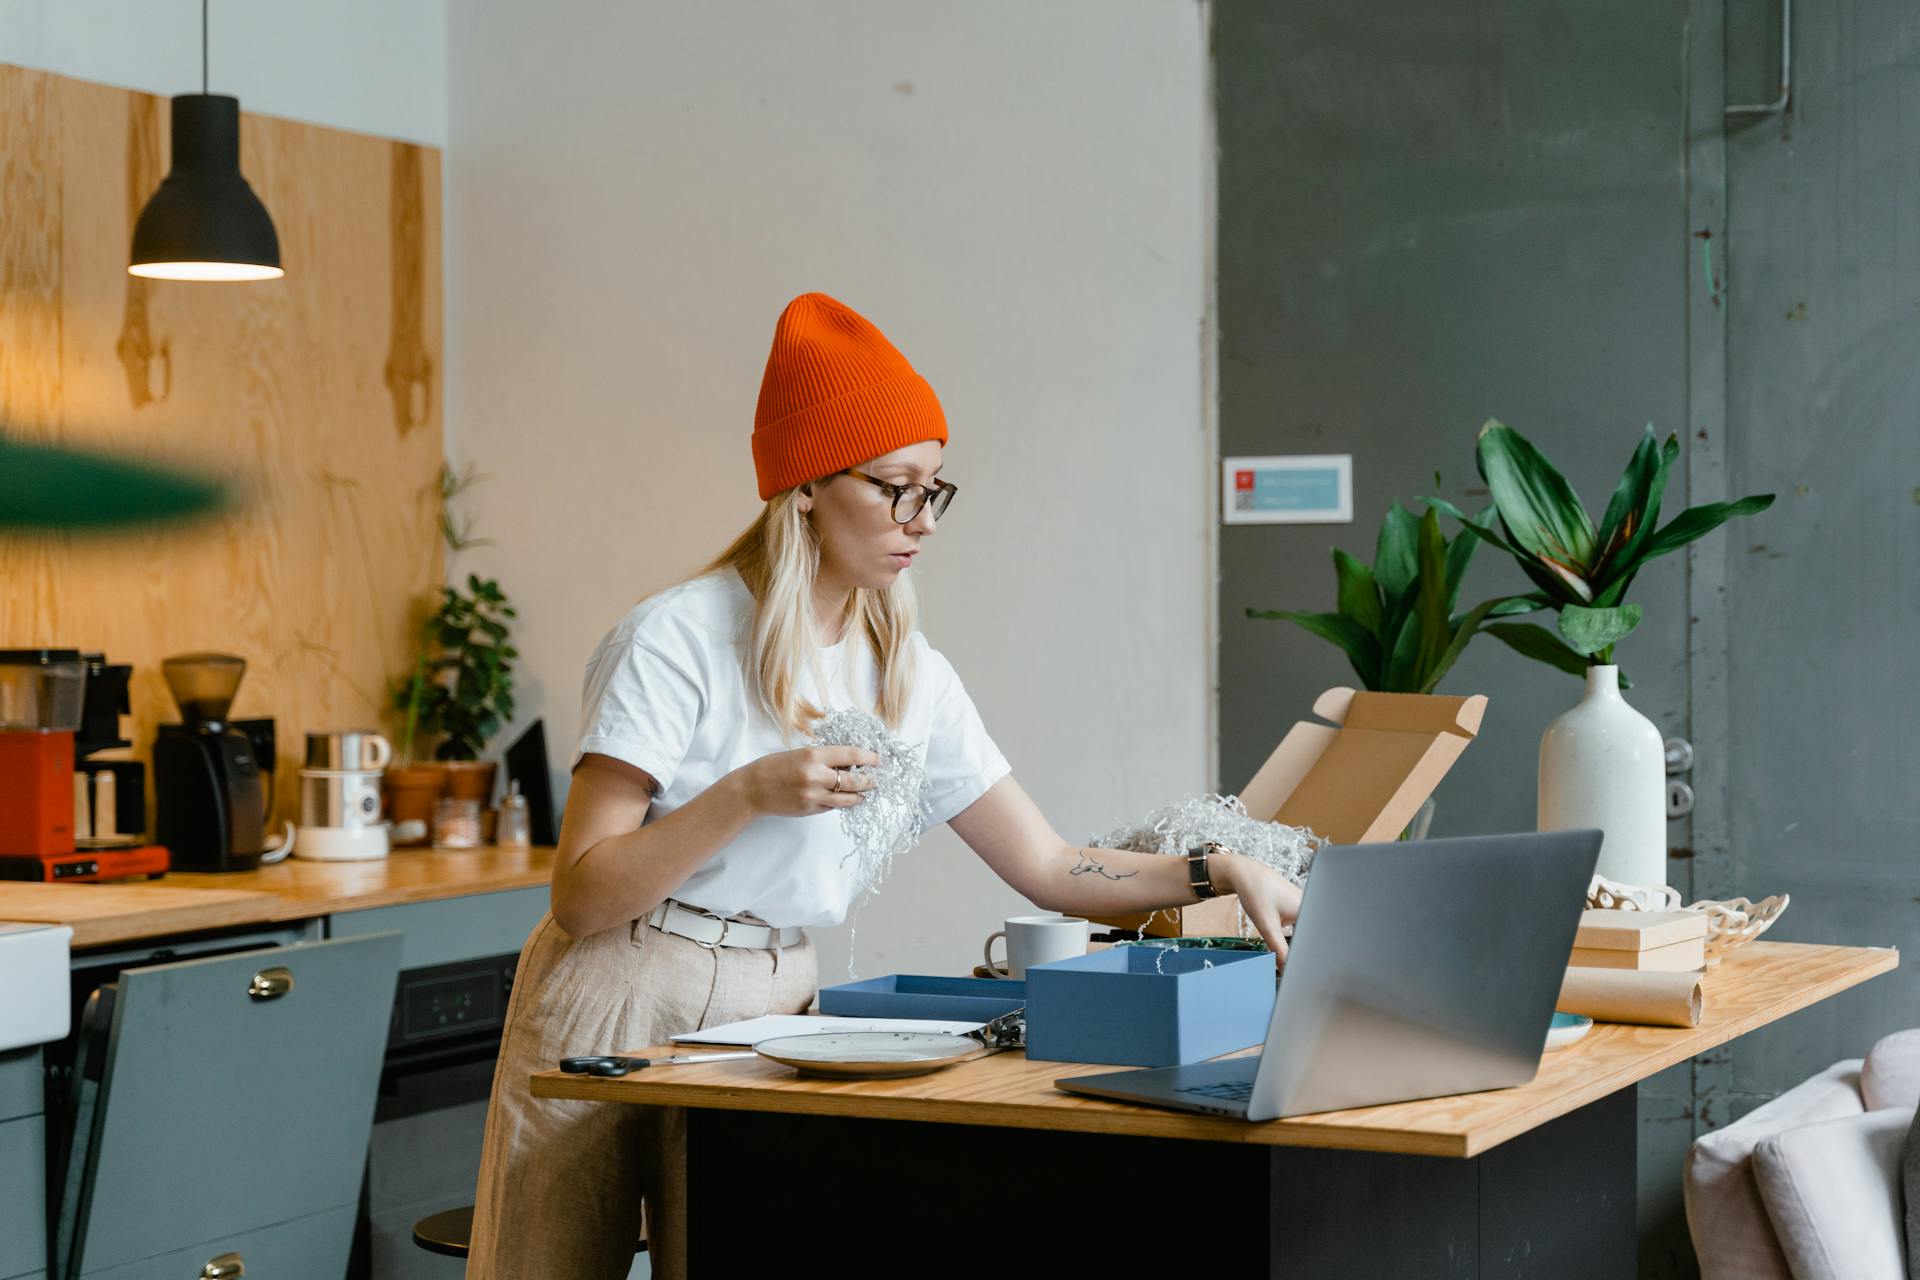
1033 940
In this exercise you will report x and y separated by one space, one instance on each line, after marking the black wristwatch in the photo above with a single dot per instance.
1198 878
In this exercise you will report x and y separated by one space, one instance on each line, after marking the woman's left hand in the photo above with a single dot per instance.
1269 898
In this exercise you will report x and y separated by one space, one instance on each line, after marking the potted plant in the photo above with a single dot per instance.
1602 763
412 786
460 692
1395 619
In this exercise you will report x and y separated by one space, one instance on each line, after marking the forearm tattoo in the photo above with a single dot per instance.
1087 866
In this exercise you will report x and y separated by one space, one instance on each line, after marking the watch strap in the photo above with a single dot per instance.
1199 877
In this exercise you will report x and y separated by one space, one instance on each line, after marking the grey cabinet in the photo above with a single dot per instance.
481 924
23 1165
23 1171
23 1224
311 1248
225 1105
21 1091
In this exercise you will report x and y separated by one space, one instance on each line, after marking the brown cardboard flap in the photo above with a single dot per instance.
1281 775
1365 780
1368 784
1357 779
1415 713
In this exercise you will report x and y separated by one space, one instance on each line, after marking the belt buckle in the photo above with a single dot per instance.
725 925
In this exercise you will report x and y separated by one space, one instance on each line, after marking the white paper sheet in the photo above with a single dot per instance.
754 1030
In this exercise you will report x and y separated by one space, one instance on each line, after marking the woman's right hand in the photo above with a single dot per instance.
798 784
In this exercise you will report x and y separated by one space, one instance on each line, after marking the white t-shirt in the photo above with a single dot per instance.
665 692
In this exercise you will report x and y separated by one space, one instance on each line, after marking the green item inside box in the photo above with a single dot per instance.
1217 943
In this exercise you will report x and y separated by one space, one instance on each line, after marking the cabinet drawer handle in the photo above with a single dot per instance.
225 1267
268 984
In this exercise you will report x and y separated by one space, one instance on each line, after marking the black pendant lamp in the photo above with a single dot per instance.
205 223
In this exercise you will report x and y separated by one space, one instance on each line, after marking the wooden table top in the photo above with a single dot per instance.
1757 984
296 889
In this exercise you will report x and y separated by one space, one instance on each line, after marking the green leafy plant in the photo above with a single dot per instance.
1395 618
457 532
1582 570
462 682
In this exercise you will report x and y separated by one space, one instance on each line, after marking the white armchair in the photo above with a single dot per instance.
1808 1187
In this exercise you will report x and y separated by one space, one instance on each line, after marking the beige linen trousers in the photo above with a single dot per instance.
562 1182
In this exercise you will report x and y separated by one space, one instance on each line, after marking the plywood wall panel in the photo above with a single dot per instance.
316 396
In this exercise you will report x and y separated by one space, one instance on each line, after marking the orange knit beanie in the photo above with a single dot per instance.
836 393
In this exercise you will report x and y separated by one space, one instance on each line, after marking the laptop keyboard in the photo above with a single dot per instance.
1228 1090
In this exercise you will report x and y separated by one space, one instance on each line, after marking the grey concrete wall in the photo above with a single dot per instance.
1823 398
1433 214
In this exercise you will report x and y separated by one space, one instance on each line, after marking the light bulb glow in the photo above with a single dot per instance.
204 271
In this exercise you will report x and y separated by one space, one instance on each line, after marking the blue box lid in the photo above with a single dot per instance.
908 995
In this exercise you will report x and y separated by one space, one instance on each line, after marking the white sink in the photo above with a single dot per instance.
33 984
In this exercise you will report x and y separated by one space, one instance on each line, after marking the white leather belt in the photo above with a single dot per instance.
712 931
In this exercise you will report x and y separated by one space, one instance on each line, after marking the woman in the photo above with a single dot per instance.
699 843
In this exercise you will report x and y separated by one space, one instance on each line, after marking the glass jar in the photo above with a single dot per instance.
514 829
456 823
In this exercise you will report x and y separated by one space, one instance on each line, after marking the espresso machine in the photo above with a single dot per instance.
40 701
53 716
109 791
212 777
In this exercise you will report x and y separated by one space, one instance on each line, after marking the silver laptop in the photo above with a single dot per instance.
1417 970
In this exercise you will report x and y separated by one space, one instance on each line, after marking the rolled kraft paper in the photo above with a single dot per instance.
1643 997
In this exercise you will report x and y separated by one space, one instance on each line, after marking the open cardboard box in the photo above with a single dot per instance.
1359 778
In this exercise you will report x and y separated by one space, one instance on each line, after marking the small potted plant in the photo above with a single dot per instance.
460 692
1601 763
1395 619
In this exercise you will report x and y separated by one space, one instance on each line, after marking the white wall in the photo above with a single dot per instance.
1019 195
378 66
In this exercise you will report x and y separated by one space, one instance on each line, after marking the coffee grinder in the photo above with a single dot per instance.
210 802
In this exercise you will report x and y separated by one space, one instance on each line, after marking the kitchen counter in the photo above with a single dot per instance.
296 889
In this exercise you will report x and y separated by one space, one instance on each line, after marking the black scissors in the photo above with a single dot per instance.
606 1065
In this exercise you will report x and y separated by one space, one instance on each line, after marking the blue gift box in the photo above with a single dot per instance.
906 995
1148 1006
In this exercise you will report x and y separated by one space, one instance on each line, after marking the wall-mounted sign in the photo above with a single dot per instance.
1304 489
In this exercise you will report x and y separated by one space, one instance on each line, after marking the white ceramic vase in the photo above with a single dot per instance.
1603 764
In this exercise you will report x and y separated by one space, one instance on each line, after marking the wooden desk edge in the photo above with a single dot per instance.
1151 1122
1142 1122
1886 960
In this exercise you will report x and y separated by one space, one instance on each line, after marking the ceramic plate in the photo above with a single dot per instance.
869 1053
1566 1028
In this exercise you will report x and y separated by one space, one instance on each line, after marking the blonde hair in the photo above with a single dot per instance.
778 557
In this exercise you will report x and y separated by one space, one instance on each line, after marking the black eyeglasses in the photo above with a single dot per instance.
909 498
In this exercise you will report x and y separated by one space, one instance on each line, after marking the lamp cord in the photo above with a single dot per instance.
203 47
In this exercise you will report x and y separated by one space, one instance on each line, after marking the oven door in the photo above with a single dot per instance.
443 1043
